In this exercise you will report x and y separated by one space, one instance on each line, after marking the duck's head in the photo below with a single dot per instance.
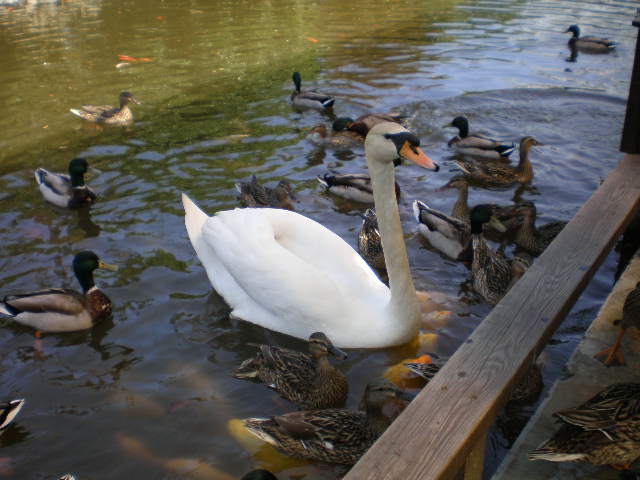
126 97
481 214
321 346
342 123
77 168
84 263
527 142
387 142
259 475
575 29
297 80
380 391
458 182
462 124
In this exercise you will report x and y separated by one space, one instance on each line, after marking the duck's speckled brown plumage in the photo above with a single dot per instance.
491 272
106 113
308 380
253 194
335 435
605 430
532 239
498 174
370 241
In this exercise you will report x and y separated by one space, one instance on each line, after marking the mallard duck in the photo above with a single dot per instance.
589 44
252 194
63 309
308 380
361 125
309 98
451 234
630 318
495 174
532 239
526 391
490 271
370 241
356 187
106 113
605 430
445 233
259 475
9 410
320 134
281 270
66 191
335 435
477 145
520 263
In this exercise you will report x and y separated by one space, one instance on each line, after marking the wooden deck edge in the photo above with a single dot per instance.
433 436
584 376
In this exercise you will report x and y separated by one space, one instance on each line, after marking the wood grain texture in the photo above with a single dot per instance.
434 435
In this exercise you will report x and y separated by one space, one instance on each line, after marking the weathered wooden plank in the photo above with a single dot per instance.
434 435
630 142
474 464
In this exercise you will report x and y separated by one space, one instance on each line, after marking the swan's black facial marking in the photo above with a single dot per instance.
399 139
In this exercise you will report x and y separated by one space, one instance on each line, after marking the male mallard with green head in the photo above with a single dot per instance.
106 113
364 123
309 98
352 186
334 435
308 380
588 44
63 309
476 144
66 191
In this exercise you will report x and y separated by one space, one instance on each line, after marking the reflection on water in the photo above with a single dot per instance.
149 394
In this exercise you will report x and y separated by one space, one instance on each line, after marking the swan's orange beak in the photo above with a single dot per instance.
417 156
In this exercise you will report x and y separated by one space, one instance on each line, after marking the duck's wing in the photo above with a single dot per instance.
55 300
447 234
102 110
332 426
605 42
55 187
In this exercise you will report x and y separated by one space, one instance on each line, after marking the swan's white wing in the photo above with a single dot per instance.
286 272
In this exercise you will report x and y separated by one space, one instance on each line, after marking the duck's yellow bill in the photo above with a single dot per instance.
107 266
417 156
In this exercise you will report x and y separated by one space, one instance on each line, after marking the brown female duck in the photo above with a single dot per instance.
630 318
308 380
106 113
534 240
253 194
63 309
370 241
361 125
498 174
605 430
335 435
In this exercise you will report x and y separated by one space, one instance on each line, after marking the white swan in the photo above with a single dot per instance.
281 270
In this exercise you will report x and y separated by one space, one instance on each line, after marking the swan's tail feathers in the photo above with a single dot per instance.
40 174
505 150
194 218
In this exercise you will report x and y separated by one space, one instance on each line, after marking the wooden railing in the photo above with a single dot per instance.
443 431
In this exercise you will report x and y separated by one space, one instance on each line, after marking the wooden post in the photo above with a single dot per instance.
630 142
474 464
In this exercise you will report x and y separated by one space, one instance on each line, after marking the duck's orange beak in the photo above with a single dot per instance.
417 156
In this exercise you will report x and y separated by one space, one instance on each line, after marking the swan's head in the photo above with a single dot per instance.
386 142
321 346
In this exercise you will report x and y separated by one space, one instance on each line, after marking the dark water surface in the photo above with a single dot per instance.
149 394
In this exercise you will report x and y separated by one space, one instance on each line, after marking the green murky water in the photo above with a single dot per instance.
149 394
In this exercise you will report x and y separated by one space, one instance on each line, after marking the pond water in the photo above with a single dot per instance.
149 393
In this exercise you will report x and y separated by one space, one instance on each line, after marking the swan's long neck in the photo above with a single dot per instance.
404 304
